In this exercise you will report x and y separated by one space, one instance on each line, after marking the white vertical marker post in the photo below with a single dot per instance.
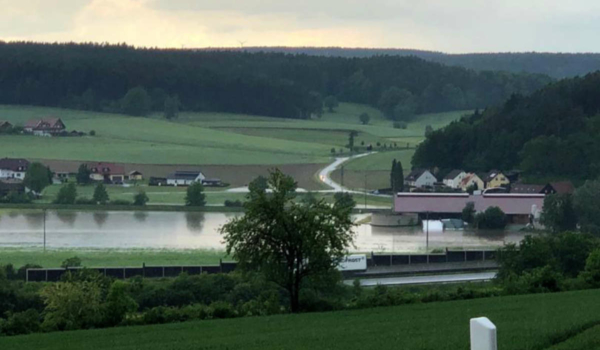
483 334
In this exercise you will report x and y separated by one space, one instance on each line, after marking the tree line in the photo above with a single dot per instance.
551 134
113 78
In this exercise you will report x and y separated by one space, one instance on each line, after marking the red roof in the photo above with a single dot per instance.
45 123
14 164
106 168
563 187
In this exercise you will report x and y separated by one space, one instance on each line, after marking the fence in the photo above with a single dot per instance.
53 275
447 257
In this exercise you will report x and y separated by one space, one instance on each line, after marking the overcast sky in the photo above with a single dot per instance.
441 25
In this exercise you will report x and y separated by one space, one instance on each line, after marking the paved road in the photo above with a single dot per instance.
463 277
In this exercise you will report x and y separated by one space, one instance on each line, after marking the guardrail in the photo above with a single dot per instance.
448 257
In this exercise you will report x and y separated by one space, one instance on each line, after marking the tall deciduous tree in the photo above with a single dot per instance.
288 241
195 196
37 177
559 213
172 107
364 118
587 207
331 102
351 135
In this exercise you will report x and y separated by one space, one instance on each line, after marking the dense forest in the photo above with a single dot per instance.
553 133
98 77
556 65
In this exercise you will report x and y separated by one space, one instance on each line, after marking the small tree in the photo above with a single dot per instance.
591 273
67 194
83 175
140 199
289 242
351 137
100 194
397 177
468 213
71 262
259 184
428 130
195 196
92 132
331 102
171 107
37 177
364 118
136 102
344 200
493 219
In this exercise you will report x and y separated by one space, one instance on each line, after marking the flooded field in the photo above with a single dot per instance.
180 230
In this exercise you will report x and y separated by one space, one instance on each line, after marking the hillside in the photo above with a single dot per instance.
556 65
524 322
551 134
98 77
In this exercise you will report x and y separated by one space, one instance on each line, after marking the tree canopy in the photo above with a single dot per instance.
195 196
288 241
37 177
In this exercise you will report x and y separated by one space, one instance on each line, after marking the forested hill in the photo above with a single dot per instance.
556 65
97 77
554 133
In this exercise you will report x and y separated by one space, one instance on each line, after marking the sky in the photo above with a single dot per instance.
452 26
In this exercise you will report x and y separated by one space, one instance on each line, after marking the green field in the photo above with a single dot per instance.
109 257
206 138
524 322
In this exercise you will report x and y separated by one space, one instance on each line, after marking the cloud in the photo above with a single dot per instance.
452 26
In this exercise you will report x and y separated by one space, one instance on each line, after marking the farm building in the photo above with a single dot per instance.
454 178
107 172
185 178
5 126
13 168
45 127
11 185
212 182
563 187
419 178
512 204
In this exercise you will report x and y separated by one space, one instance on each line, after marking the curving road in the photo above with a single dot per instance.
325 173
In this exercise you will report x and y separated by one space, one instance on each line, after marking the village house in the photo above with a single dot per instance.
5 126
419 178
107 172
13 168
454 178
212 182
562 187
185 178
495 179
45 127
471 180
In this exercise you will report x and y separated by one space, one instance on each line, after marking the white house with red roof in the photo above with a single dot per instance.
107 172
13 168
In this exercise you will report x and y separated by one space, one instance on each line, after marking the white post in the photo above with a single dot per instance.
483 334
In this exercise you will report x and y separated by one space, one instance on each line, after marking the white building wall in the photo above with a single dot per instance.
426 179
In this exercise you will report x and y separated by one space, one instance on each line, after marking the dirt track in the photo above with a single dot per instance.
236 175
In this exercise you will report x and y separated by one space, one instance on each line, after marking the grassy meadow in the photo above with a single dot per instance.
564 320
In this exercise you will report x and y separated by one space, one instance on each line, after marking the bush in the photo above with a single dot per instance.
67 194
233 204
85 201
400 125
16 198
118 304
92 132
120 202
140 199
222 309
493 218
591 274
21 323
71 262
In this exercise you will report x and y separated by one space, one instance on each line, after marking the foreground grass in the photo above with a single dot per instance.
587 340
109 257
524 322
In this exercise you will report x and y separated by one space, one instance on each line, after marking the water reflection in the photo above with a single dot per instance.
195 221
66 217
178 230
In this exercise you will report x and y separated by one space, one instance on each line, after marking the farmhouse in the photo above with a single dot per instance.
45 127
470 180
185 178
107 172
212 182
13 168
5 126
454 178
419 178
495 179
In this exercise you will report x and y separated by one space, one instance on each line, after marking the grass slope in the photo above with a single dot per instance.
524 322
206 138
109 257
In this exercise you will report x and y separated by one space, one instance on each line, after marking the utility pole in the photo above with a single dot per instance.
342 178
427 235
44 229
365 189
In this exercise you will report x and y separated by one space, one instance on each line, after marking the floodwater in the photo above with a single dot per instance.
180 230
